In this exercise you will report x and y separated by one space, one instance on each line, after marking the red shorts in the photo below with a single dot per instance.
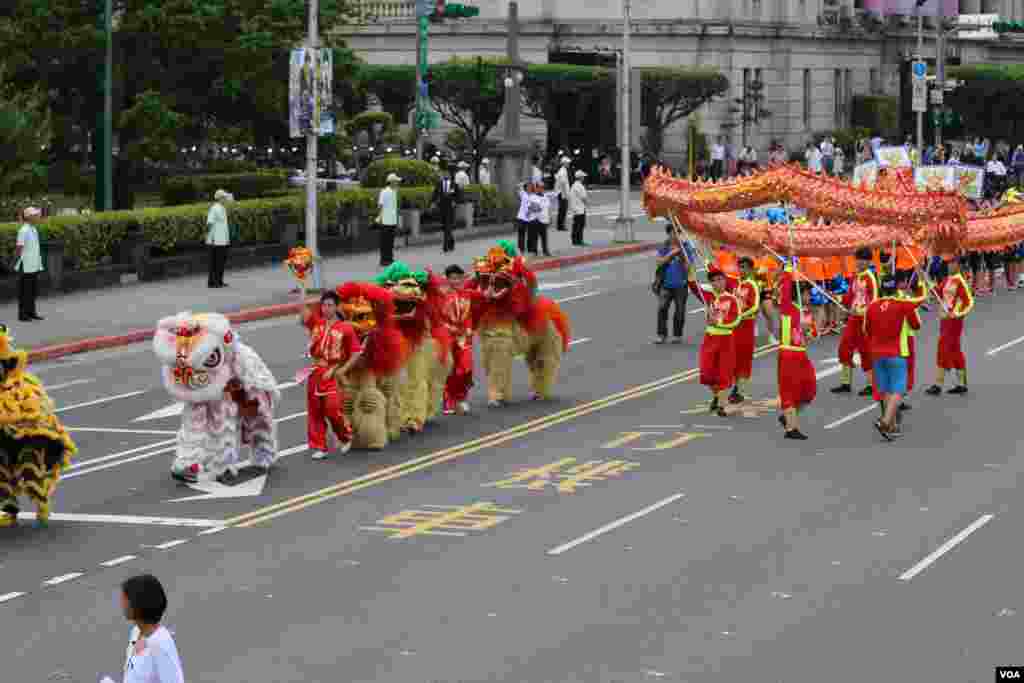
718 361
743 341
853 340
798 384
950 355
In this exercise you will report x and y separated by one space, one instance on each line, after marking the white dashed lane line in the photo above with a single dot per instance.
57 580
11 596
119 560
171 544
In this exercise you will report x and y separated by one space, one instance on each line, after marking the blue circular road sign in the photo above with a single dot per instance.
920 69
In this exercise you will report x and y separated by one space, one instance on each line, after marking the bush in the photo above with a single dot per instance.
71 179
879 113
368 120
218 166
177 190
415 197
413 173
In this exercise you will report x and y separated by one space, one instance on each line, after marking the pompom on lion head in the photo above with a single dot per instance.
408 287
501 271
12 361
365 306
196 354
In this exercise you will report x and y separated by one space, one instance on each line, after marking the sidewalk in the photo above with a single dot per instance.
99 319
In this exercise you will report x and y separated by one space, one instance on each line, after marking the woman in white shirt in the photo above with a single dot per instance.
536 208
152 655
218 238
523 216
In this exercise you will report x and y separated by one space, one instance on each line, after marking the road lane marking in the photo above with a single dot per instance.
214 530
65 385
611 526
118 560
128 519
584 340
11 596
171 544
852 416
696 310
111 430
94 461
57 580
454 452
828 372
116 463
992 352
176 409
98 401
945 548
578 296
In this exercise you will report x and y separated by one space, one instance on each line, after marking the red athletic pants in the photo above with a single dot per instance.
950 355
744 343
324 407
460 380
853 340
718 361
797 382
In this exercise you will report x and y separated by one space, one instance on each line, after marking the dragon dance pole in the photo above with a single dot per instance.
806 279
932 289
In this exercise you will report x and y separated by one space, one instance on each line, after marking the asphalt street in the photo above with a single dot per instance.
615 533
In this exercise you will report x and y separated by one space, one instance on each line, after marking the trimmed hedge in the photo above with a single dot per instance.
414 173
177 190
93 239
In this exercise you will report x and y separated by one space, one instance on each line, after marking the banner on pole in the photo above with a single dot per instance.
310 84
893 157
968 180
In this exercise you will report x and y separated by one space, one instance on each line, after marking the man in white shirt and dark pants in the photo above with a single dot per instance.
578 208
218 237
718 159
387 202
29 265
562 190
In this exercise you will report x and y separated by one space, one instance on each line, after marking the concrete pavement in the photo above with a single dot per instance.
629 537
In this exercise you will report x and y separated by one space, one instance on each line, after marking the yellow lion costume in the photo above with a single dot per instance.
34 446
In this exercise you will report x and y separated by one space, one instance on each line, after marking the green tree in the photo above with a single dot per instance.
470 95
24 132
543 84
153 129
669 94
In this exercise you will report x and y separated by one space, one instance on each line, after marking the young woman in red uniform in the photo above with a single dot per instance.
748 293
798 384
459 321
717 351
958 300
334 348
863 291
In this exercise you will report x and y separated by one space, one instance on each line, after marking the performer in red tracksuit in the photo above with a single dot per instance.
886 323
717 351
798 384
748 293
958 300
863 291
459 322
334 348
916 293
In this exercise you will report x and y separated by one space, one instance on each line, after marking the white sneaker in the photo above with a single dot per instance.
320 455
344 448
464 408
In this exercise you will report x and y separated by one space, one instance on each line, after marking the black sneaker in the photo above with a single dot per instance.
905 406
933 390
866 391
721 412
736 397
796 434
961 389
842 389
782 421
660 340
713 408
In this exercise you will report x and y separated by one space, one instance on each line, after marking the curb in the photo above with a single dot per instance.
279 310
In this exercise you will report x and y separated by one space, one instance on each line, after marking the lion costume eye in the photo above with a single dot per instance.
213 360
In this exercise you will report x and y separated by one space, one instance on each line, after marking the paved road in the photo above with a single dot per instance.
617 533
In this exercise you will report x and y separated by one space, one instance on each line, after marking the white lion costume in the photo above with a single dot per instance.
228 391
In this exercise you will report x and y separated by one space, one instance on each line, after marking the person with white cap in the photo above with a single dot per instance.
461 177
29 265
578 200
387 219
562 190
485 172
218 238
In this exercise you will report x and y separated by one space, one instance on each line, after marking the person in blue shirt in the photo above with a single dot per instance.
672 260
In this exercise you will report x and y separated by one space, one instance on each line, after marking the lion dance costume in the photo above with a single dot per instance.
34 446
228 391
512 320
369 386
419 310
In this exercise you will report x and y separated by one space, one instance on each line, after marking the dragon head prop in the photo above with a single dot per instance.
409 289
196 354
366 307
12 361
501 271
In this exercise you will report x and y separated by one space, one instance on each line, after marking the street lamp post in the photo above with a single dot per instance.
625 220
103 144
312 42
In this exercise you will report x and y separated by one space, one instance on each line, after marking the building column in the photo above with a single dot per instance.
970 6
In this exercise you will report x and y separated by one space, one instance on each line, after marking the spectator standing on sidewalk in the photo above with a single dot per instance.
578 201
828 156
562 188
28 265
718 159
485 173
671 287
387 219
218 238
461 176
152 655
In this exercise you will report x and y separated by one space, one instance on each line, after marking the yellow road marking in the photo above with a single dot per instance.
496 439
681 439
628 438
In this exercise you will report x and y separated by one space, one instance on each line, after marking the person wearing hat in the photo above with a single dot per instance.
717 350
484 174
387 219
218 238
562 188
461 177
578 200
886 324
447 193
29 265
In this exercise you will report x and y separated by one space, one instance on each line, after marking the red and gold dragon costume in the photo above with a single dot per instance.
369 386
512 320
861 217
419 312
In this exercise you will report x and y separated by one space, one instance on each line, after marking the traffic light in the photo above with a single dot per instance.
459 11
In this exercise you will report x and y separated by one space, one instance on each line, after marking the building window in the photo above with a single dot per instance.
807 98
837 97
876 82
756 114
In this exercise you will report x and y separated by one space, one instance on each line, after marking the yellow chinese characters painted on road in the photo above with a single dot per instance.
659 442
443 520
565 475
749 409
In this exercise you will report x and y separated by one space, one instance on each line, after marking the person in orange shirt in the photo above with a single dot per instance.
814 270
833 271
768 270
727 262
749 296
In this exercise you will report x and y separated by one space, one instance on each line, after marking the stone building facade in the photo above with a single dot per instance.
812 56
